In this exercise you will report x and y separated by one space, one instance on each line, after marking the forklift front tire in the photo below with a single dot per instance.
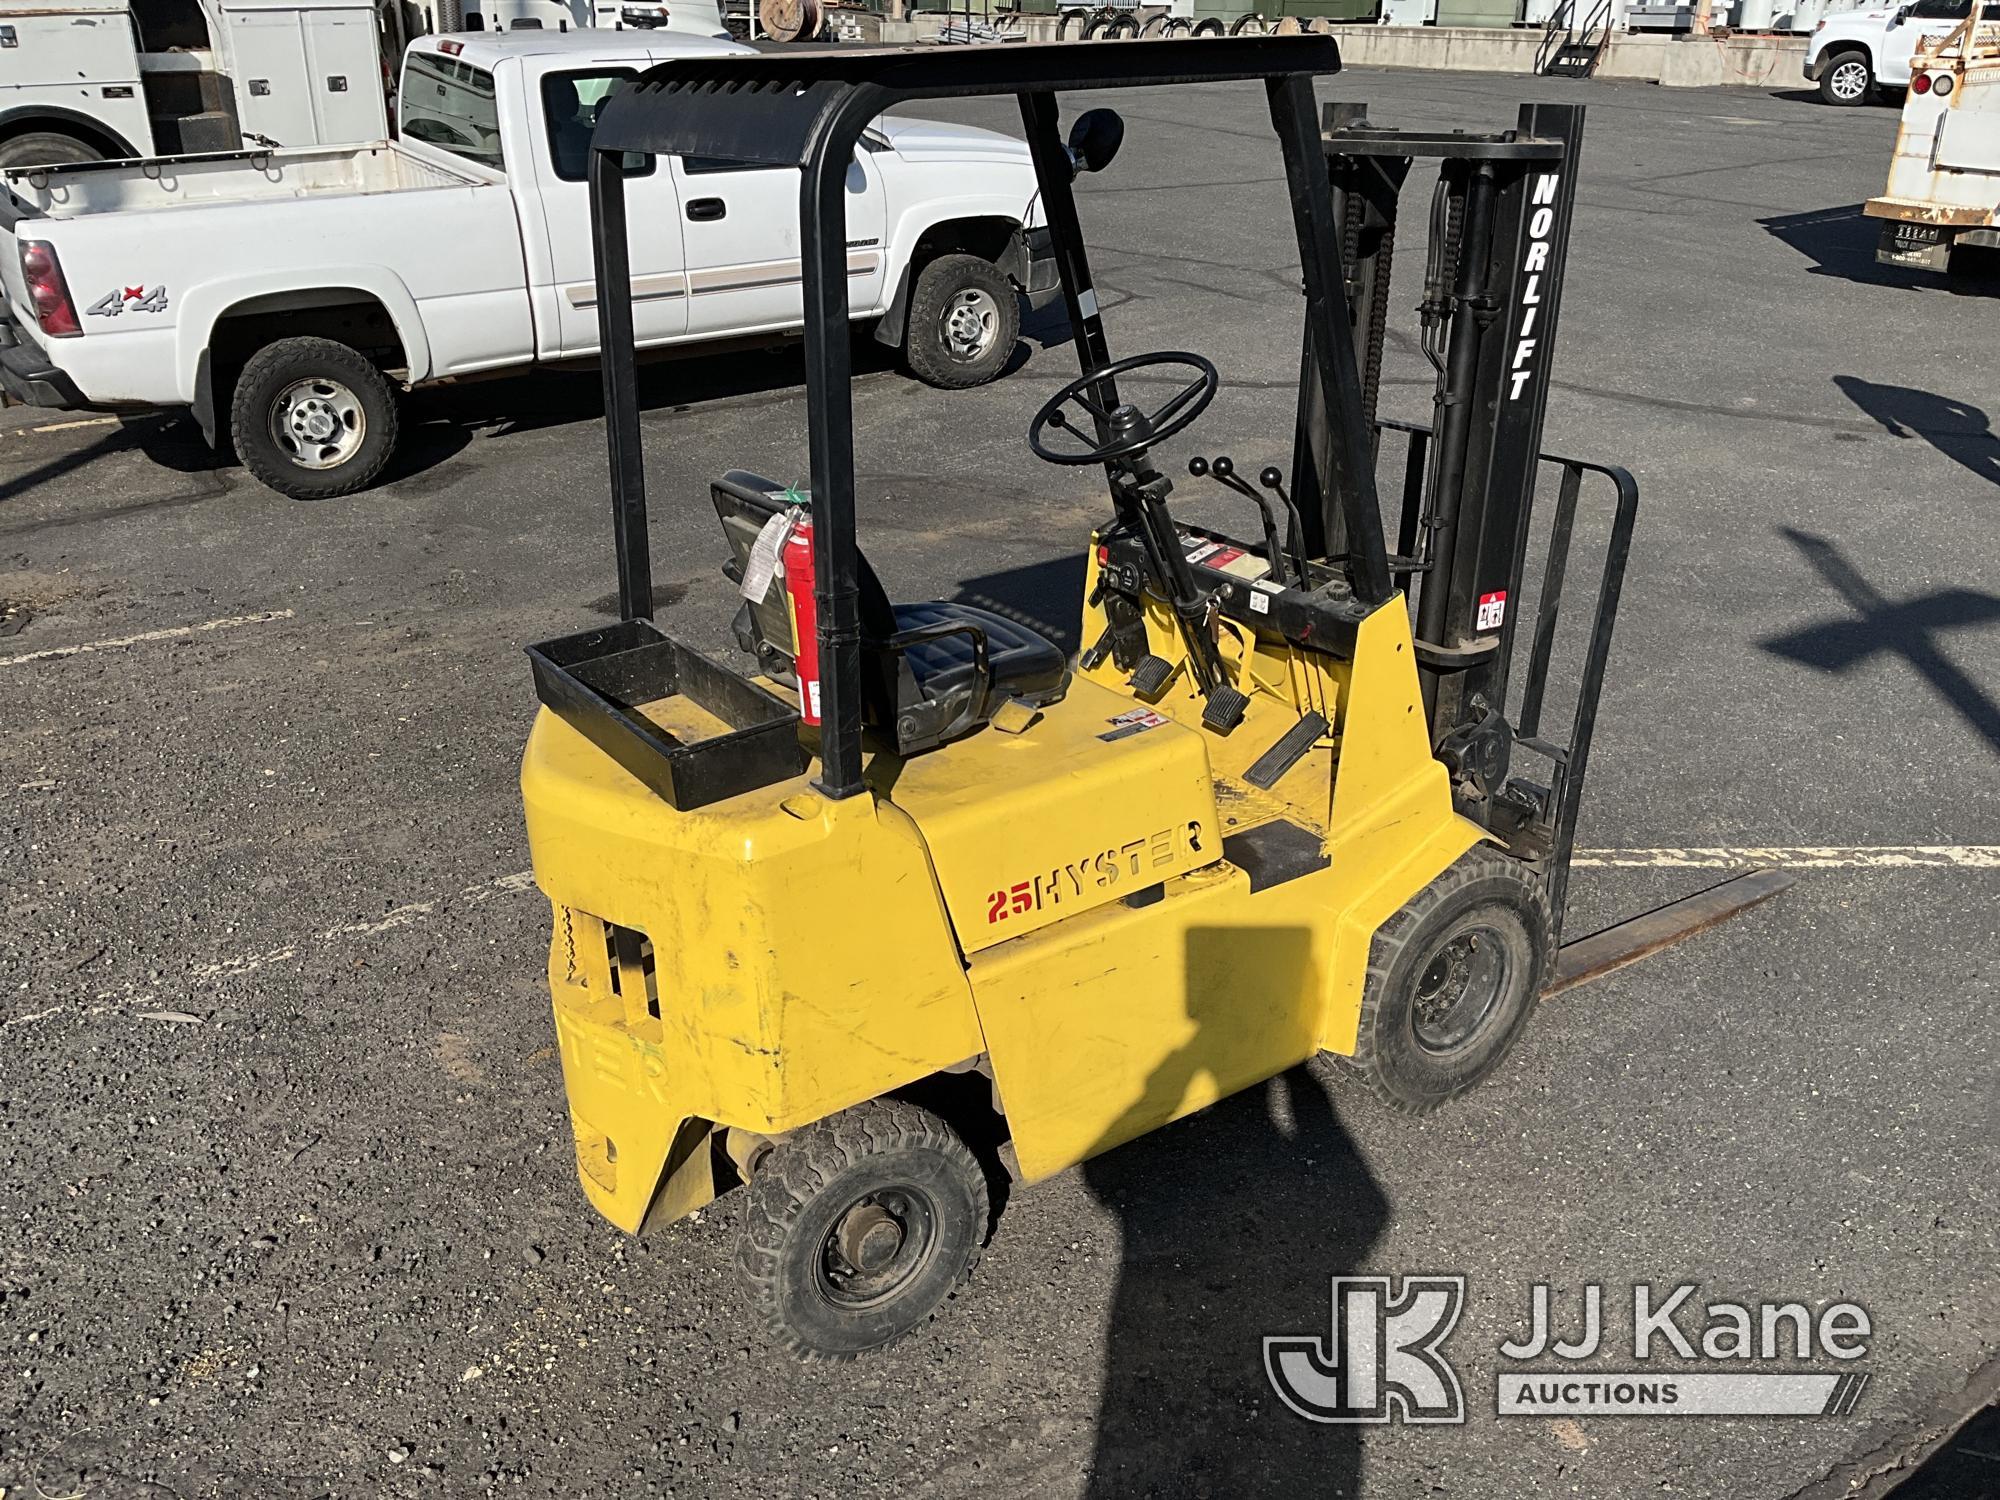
312 418
1451 979
965 319
858 1228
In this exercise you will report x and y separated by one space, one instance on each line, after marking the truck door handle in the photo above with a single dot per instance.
703 210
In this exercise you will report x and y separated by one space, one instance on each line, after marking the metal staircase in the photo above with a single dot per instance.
1569 50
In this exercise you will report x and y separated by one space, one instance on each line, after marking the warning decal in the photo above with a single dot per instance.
1492 610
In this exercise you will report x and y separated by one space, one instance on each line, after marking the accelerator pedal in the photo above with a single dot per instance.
1269 768
1225 709
1149 679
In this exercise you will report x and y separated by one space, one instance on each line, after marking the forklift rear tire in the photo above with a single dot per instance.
859 1227
965 320
1451 979
312 418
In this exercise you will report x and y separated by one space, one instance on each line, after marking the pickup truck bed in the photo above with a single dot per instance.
235 177
287 297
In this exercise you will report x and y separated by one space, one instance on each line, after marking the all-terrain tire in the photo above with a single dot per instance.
45 148
1484 926
886 1157
964 322
289 391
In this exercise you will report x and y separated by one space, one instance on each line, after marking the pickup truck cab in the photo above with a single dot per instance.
1858 54
285 297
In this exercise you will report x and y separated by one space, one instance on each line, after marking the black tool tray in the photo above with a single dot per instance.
689 728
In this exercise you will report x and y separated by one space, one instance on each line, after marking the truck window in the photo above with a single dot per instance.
570 101
447 104
1941 10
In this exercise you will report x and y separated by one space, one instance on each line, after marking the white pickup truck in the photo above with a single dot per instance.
285 296
1858 54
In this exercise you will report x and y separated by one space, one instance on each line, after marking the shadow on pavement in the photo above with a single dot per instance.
1957 429
1044 596
1908 630
1841 242
1232 1224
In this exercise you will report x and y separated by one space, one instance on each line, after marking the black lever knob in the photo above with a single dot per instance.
1271 477
1223 466
1197 466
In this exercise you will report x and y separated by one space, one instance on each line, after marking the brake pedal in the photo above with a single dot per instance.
1151 676
1225 708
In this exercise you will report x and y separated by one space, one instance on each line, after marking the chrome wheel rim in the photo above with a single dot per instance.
1849 81
318 423
970 325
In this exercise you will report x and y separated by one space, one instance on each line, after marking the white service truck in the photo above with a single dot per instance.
1941 209
285 297
1858 55
90 80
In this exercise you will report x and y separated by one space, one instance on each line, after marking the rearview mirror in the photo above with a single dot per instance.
1094 140
1898 18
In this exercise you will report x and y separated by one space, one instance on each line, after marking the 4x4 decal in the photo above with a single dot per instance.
113 302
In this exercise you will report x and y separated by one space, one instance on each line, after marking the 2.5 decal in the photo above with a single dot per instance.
116 301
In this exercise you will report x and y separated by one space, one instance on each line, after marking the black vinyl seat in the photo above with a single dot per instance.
931 672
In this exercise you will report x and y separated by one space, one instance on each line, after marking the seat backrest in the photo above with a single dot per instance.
743 503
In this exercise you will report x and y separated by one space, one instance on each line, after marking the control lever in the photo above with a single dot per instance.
1223 471
1273 479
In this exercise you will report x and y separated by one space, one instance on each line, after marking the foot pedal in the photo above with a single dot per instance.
1268 768
1225 708
1093 656
1150 677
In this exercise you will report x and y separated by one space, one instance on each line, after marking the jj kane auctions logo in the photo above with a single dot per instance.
1383 1357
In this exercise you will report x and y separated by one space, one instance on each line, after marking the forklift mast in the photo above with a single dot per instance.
1497 242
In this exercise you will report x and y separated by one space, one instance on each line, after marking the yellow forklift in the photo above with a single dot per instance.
922 906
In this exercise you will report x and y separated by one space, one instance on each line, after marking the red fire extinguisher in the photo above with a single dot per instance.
805 617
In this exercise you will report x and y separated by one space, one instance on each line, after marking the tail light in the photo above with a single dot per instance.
1920 84
47 290
1943 85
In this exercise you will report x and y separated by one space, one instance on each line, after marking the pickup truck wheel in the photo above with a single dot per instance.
45 148
1848 79
964 322
312 418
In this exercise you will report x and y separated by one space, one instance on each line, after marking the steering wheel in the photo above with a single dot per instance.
1132 430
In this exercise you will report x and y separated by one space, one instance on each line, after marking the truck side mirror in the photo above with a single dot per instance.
1094 140
1898 18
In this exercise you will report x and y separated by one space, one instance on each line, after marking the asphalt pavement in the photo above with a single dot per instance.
287 1200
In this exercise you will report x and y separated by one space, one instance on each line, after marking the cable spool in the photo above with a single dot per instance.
790 20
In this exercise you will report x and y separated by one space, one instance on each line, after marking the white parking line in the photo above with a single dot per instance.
127 999
120 643
66 426
1803 857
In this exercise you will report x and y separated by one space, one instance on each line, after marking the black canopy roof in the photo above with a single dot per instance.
766 108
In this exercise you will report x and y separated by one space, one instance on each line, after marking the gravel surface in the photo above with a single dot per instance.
287 1201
